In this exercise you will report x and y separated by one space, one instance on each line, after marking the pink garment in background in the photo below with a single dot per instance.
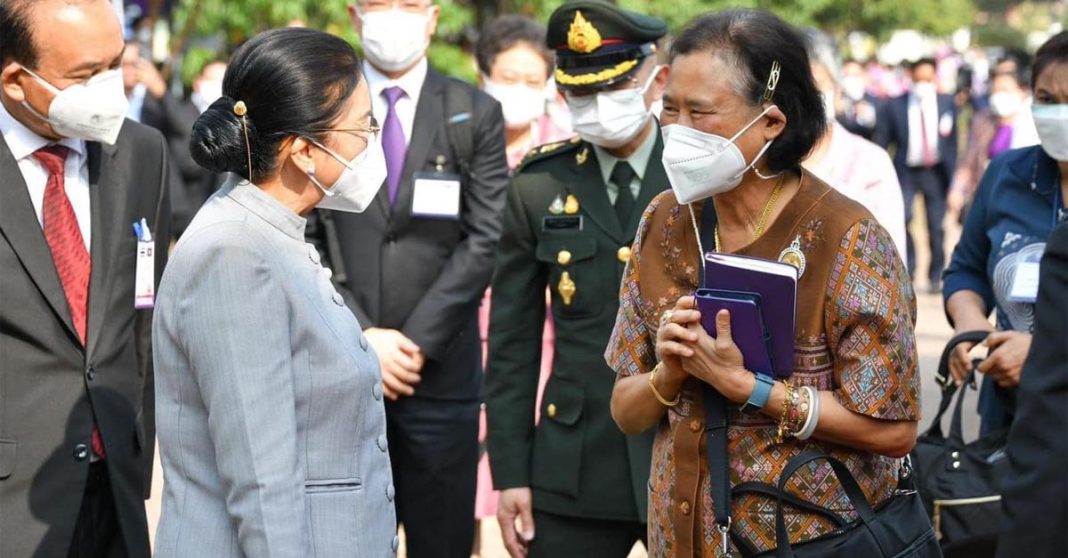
547 129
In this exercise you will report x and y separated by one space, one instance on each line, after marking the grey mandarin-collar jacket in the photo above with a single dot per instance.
271 425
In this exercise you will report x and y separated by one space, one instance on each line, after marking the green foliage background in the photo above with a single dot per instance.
202 27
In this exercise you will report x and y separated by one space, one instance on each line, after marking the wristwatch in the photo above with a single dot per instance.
759 397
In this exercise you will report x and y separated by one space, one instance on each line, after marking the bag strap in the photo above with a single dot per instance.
946 381
764 489
849 485
459 109
715 411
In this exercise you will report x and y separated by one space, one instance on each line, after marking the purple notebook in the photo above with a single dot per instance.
776 285
747 325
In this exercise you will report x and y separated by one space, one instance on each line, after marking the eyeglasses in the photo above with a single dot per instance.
404 5
369 132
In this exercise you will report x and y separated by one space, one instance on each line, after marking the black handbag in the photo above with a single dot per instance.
960 482
897 528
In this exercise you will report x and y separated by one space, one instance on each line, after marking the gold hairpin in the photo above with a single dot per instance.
241 110
773 81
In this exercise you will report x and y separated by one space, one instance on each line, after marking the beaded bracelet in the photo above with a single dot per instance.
800 411
787 405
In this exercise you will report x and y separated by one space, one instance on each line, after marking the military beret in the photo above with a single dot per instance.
598 44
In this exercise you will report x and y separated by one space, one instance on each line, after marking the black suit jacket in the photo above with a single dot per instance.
892 129
1035 492
425 276
50 386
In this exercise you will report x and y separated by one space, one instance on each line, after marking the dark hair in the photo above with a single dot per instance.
506 32
923 62
16 39
751 41
292 81
1053 51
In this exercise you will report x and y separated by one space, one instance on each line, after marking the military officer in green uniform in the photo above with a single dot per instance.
574 485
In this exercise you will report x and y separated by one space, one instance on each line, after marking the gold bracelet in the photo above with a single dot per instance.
656 394
787 404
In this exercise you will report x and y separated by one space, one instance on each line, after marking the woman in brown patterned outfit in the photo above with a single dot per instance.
855 341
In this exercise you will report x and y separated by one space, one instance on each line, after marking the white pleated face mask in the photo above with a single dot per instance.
394 40
611 118
700 165
92 111
359 182
1051 122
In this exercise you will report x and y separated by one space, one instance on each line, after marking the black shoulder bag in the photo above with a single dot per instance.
898 528
960 483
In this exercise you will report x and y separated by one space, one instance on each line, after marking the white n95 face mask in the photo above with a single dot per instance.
1051 121
611 118
359 182
90 111
700 165
521 104
393 40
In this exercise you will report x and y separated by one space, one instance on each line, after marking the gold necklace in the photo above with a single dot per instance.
763 214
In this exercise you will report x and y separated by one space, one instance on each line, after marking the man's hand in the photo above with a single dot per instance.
516 503
1008 351
960 360
400 358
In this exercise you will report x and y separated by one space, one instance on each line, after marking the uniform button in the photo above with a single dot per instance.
376 391
313 254
383 444
564 257
81 452
338 299
695 426
684 507
327 272
396 542
390 492
551 410
363 342
90 374
623 254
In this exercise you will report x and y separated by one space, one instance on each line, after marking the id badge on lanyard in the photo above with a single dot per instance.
145 274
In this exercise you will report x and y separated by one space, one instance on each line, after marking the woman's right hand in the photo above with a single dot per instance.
960 363
673 338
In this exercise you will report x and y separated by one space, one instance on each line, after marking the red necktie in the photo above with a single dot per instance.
928 154
65 241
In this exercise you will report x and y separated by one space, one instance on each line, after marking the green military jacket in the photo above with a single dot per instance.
561 232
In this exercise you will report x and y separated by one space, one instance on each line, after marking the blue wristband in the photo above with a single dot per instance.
761 392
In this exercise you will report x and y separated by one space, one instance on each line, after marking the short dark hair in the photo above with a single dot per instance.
293 81
923 62
750 41
16 38
1053 51
506 32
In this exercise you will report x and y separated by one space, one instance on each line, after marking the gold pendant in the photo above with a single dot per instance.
566 287
571 206
794 256
557 207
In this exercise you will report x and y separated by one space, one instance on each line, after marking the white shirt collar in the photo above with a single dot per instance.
411 82
639 160
23 142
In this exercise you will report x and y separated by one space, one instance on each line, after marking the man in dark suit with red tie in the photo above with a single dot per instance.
76 432
922 127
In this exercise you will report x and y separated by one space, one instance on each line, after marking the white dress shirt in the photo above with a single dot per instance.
411 83
137 102
23 142
932 122
639 161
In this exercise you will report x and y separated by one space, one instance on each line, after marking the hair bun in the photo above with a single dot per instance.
218 139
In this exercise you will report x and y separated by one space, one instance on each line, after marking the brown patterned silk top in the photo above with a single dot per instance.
854 336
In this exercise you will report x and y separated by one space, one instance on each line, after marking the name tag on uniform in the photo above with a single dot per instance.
145 272
556 223
436 195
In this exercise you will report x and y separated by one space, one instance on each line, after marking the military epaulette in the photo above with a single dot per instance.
548 150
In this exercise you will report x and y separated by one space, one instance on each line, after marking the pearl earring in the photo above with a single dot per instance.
311 170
